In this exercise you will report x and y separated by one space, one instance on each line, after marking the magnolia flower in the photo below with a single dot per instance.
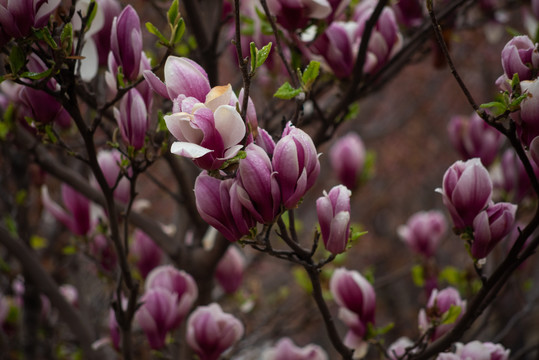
132 118
147 254
467 190
285 349
490 226
210 331
347 157
77 216
229 270
209 133
440 302
333 211
520 56
423 232
294 15
18 17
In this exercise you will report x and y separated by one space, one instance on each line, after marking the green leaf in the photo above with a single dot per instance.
52 137
311 73
36 76
179 30
66 38
418 275
20 196
496 107
451 315
17 59
161 124
353 111
452 276
6 125
374 332
93 11
515 104
45 35
173 13
11 225
254 54
301 277
262 55
287 92
153 30
38 242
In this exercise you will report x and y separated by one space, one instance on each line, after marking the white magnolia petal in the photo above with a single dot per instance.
189 150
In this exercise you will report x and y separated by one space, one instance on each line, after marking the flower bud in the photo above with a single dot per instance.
423 232
257 187
183 76
132 118
398 348
147 254
477 350
77 216
210 331
110 9
229 270
385 40
18 17
439 303
177 282
409 12
357 301
527 120
218 204
520 56
473 137
333 211
158 315
285 349
467 190
513 179
109 162
336 45
294 15
70 293
347 157
126 42
490 226
297 165
265 141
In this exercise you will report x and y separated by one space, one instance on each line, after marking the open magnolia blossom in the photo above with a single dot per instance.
209 133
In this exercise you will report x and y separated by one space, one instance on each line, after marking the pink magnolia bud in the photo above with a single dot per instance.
158 315
514 180
177 282
77 216
520 56
70 293
101 249
257 187
147 254
295 14
347 157
229 270
297 165
211 133
126 42
477 350
285 349
385 40
333 211
110 9
490 226
210 331
439 303
132 118
398 348
527 120
467 189
218 204
473 137
109 162
357 301
182 77
423 232
265 141
18 17
336 45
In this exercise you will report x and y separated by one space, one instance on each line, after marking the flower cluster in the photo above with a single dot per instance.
438 307
467 193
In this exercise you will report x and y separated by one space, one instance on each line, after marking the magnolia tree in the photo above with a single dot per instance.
184 189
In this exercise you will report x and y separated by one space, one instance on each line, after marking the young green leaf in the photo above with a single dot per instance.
254 55
36 76
179 30
287 92
153 30
17 59
66 38
451 315
262 55
92 8
173 13
311 73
